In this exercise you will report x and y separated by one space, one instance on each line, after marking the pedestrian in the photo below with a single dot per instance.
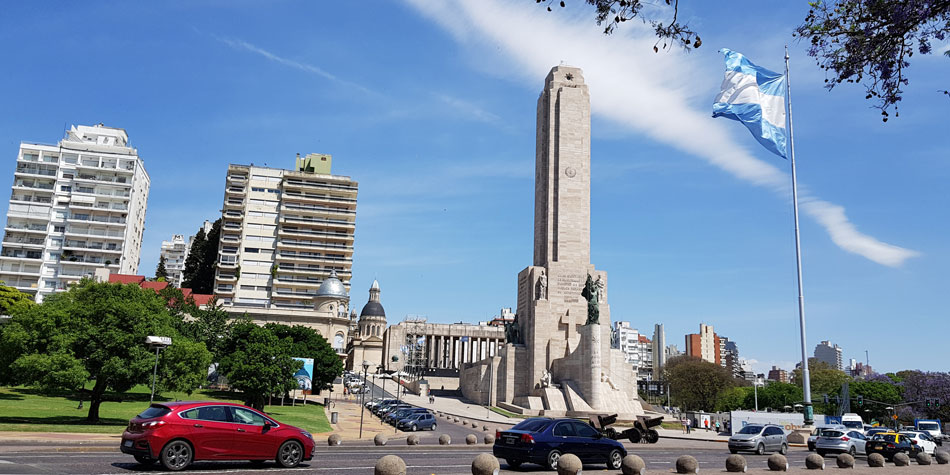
689 425
717 426
706 423
684 425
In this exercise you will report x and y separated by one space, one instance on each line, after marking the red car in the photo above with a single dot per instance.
178 433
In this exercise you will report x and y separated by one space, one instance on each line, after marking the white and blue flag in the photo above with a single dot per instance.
754 96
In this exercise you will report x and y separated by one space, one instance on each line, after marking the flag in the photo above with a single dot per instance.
754 96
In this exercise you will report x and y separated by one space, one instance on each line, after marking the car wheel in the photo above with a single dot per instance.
513 464
290 454
413 428
552 459
614 460
176 455
760 449
434 426
784 449
853 451
144 460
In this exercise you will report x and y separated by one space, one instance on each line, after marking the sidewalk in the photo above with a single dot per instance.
59 438
457 407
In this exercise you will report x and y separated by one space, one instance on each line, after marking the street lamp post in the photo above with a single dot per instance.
157 343
363 397
755 385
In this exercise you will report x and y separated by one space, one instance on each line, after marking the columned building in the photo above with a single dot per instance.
424 348
75 207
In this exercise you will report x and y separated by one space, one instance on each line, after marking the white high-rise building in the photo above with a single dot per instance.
75 207
637 349
175 252
830 354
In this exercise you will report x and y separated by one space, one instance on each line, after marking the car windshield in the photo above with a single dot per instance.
532 425
886 437
154 411
853 424
928 426
831 433
751 430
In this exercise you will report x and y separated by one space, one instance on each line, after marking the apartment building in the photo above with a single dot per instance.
175 252
829 353
76 206
705 344
637 349
283 233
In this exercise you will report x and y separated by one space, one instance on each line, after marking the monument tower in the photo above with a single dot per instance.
558 360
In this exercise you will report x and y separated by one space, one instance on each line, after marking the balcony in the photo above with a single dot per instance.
33 185
321 222
31 199
21 254
125 181
24 241
97 219
313 185
41 229
316 210
27 170
70 231
96 246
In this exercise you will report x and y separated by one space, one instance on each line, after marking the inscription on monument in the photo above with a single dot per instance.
570 286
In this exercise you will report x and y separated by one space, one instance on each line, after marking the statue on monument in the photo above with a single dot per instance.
542 291
513 332
591 292
546 379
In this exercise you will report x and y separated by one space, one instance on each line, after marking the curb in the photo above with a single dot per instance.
59 442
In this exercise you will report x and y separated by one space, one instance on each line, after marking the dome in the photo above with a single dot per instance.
373 309
332 287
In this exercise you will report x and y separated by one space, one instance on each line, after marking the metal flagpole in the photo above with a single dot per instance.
806 383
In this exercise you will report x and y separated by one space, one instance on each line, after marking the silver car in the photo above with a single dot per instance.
759 439
841 441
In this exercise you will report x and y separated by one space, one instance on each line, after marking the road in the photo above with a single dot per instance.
353 459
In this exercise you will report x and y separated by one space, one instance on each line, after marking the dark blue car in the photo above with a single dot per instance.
543 440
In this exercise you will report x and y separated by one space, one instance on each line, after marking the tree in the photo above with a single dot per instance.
202 260
160 273
193 261
12 300
824 379
180 366
257 363
919 386
307 343
614 12
870 41
93 332
694 383
877 396
777 395
736 398
211 325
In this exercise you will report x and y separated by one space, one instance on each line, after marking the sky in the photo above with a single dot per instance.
431 106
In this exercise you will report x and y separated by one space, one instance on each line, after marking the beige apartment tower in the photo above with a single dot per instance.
286 250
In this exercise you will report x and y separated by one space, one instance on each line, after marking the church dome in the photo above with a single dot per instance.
373 309
332 287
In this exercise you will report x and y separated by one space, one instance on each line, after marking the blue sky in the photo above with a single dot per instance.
431 107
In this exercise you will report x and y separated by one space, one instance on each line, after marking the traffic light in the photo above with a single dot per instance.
860 400
937 403
929 403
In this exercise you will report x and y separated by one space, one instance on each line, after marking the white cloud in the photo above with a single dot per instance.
469 109
653 94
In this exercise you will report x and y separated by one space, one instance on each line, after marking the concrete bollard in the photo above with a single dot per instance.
632 465
455 419
687 464
390 465
489 439
471 439
474 425
815 462
380 439
569 464
444 439
901 459
464 422
413 439
875 460
924 458
942 456
334 439
845 461
735 463
485 464
485 428
778 463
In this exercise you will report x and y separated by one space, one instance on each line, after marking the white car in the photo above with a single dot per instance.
923 440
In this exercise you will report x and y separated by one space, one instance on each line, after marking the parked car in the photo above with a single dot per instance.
759 439
853 421
417 421
923 440
877 430
400 414
390 409
178 433
817 432
542 440
841 441
377 403
890 443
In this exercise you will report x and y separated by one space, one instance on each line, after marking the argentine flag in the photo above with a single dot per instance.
754 96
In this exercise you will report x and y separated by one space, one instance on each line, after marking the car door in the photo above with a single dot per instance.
564 438
211 432
251 438
594 449
859 441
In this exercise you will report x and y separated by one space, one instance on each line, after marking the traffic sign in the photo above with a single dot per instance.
894 417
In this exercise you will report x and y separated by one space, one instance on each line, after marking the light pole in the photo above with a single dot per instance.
158 343
755 384
363 397
891 410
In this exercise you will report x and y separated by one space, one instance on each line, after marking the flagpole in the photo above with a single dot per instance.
806 380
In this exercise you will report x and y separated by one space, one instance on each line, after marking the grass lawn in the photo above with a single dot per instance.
508 413
28 410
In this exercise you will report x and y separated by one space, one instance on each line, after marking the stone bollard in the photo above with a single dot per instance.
735 463
455 419
632 465
815 462
485 464
845 461
875 460
413 439
390 465
471 439
489 439
924 458
687 464
334 439
901 459
485 428
474 425
569 464
464 422
444 439
778 463
942 456
380 439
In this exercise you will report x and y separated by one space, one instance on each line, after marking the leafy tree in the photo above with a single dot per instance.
919 386
307 343
211 325
257 363
824 378
870 41
161 272
614 12
12 300
180 365
877 396
95 331
736 398
777 395
694 383
202 260
193 261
